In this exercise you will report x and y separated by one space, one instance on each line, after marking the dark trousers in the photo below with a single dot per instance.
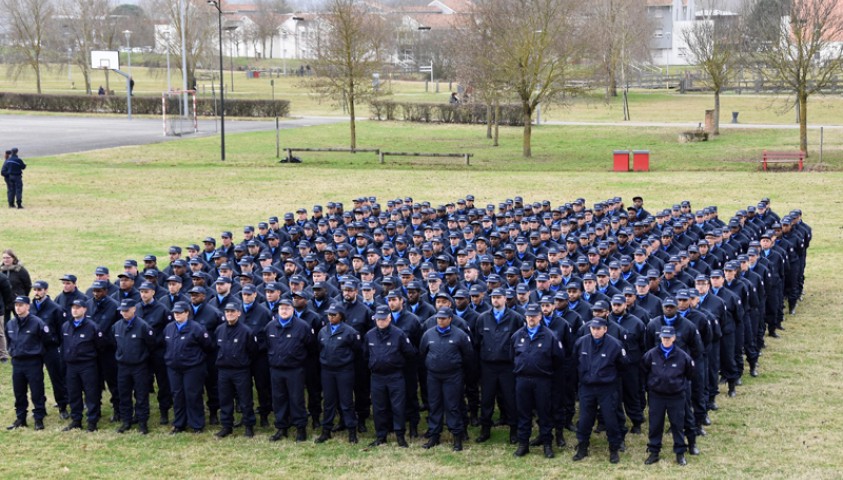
605 397
727 356
496 381
557 406
771 306
389 397
133 379
187 385
534 394
712 377
84 378
313 382
14 189
288 397
411 392
750 345
158 370
569 392
338 393
444 392
57 372
699 395
108 376
362 389
28 376
211 382
674 406
631 394
235 383
472 389
263 385
738 348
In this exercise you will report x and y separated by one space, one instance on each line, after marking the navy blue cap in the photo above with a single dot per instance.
126 304
68 278
533 310
667 331
22 299
180 307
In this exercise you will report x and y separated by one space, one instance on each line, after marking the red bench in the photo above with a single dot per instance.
783 157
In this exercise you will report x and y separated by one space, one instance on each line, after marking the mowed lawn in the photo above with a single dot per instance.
100 208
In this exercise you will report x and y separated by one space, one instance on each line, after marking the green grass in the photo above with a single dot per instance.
645 105
100 208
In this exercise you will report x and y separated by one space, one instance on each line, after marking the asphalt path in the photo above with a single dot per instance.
41 135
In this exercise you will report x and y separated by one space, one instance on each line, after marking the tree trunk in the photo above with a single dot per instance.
37 68
352 126
717 111
612 89
489 119
497 121
527 151
803 123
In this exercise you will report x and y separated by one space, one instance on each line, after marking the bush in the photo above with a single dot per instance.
140 105
442 112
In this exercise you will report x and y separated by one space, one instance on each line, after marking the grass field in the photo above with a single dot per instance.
645 106
92 209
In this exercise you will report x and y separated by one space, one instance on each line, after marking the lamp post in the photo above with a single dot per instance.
216 4
128 34
167 38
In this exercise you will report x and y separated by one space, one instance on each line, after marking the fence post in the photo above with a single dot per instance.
277 139
466 159
380 156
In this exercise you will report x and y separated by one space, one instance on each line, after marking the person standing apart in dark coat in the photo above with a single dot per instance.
12 172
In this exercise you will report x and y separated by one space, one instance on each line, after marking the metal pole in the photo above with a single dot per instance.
169 88
277 138
222 87
231 58
182 8
821 145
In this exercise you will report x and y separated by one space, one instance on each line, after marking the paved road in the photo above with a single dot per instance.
40 135
691 125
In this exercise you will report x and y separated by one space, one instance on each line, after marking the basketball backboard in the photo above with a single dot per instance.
105 60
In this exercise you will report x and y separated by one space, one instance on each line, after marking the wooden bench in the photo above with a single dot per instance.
465 156
290 151
783 157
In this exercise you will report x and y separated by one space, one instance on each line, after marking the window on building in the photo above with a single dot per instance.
659 33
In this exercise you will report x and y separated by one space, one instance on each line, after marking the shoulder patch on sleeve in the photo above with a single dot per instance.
46 329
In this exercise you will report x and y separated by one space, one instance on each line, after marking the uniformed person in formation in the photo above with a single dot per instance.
339 349
236 345
26 335
599 358
537 354
446 353
80 341
288 341
134 340
186 345
387 350
667 372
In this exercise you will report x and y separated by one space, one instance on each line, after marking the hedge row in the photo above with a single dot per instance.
443 113
140 105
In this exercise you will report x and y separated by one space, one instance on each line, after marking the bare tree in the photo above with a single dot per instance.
800 46
351 49
267 22
28 23
87 26
619 34
713 44
533 44
200 31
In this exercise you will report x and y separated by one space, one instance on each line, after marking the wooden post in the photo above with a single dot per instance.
380 156
466 159
289 155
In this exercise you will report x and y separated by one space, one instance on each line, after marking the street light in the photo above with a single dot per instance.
129 81
128 34
216 4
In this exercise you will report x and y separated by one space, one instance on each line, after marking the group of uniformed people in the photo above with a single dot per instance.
456 310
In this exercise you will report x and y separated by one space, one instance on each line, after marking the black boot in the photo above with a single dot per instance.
536 442
513 435
301 434
324 436
485 434
680 459
39 424
20 423
278 435
92 426
560 438
165 418
213 419
224 432
264 421
432 442
378 442
614 456
458 443
124 427
523 449
548 451
636 429
414 431
732 392
249 432
143 428
401 441
352 436
582 452
653 458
